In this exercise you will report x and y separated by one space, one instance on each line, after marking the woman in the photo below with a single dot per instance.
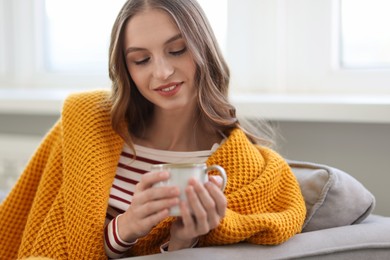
87 192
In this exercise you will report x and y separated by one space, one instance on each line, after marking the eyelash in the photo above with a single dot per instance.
174 53
142 62
180 52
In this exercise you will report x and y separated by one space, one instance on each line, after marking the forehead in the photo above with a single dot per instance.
149 26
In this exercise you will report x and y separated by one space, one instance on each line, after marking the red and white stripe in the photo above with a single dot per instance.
114 245
128 174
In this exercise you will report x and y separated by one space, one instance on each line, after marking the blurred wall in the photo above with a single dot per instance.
362 150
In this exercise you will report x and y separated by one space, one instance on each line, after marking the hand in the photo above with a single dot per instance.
208 205
149 206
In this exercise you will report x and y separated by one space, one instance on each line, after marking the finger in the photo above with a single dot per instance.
200 214
206 200
217 180
157 193
218 197
186 216
155 199
145 224
157 217
151 178
209 203
152 207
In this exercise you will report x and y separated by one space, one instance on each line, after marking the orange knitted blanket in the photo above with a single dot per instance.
58 206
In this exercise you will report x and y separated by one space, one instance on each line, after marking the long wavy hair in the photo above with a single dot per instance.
131 112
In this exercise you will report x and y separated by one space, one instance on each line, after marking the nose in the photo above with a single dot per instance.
163 68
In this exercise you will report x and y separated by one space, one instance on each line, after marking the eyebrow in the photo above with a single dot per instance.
172 39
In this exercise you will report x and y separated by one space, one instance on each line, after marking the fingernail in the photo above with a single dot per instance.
164 174
218 179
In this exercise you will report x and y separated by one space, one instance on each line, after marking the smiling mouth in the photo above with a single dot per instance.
169 89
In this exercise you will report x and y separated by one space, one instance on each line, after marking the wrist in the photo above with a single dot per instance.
123 230
181 244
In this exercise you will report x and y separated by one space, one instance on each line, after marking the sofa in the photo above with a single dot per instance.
339 224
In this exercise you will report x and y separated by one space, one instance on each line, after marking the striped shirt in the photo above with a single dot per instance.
128 174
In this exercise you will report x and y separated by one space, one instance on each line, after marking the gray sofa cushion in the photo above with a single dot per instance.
367 240
333 198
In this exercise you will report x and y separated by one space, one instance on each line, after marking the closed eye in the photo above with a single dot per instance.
179 52
141 62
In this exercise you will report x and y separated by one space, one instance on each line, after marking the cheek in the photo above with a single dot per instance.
137 77
190 67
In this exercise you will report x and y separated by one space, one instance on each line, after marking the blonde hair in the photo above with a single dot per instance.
131 111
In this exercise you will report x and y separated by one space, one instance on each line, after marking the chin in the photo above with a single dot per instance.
177 106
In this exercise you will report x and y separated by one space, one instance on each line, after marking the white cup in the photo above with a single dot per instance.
180 173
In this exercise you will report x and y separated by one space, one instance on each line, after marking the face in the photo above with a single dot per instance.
159 62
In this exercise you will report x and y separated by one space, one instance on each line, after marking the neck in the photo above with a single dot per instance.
177 131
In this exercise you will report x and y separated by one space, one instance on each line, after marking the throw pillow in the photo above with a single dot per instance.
333 198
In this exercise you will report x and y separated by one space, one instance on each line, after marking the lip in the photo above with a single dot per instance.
169 89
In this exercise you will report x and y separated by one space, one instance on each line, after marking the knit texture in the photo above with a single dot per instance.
57 208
